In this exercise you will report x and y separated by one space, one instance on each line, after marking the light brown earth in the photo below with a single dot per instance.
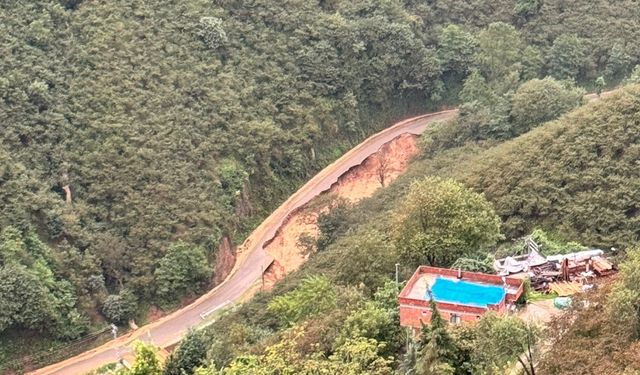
285 249
390 161
225 260
361 181
539 311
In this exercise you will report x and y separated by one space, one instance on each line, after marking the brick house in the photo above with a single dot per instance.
465 296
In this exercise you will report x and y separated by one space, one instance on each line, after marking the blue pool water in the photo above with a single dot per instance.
465 292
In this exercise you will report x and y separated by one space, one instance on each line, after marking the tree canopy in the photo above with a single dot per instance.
440 221
132 126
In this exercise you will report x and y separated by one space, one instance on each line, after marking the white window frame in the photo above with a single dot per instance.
455 319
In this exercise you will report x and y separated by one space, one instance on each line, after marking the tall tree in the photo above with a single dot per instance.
190 354
541 100
566 56
366 259
504 339
618 62
438 349
624 307
184 269
314 295
500 50
456 49
26 302
118 308
440 221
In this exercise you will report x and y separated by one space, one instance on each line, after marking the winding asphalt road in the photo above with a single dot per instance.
251 262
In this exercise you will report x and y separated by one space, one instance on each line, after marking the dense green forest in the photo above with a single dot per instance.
136 135
338 314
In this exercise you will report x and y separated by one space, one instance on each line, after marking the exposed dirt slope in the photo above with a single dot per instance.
359 182
251 259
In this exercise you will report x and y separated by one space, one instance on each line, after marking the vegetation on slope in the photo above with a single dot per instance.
172 124
357 261
600 334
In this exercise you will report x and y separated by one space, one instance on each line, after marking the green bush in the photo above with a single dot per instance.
314 295
118 308
183 270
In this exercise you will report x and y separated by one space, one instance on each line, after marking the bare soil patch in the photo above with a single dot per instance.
358 183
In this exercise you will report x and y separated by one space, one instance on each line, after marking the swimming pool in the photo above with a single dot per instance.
465 292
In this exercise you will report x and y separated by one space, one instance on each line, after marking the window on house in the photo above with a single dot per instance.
454 319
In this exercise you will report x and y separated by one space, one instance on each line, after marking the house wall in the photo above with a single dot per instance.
414 311
412 316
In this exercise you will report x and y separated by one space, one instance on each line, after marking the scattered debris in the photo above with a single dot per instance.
564 274
562 303
517 264
565 288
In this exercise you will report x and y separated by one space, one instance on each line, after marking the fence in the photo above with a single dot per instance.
59 352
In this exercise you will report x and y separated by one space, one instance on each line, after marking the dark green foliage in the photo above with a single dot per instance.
26 303
550 245
118 308
566 57
488 112
476 89
367 259
541 100
532 62
456 49
600 335
437 352
409 359
185 120
501 340
618 62
331 224
189 354
500 50
314 295
474 265
576 175
439 221
600 85
371 321
635 75
181 271
32 294
527 8
191 120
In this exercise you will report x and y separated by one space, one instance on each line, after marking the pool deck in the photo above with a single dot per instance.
414 305
425 281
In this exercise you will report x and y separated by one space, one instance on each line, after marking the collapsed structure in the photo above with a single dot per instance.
563 274
458 295
464 296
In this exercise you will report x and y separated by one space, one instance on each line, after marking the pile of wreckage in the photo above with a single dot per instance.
564 274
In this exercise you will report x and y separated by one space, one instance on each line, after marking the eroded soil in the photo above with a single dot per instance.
358 183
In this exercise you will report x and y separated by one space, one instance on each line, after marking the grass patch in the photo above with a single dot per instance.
540 296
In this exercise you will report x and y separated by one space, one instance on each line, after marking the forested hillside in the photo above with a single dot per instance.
136 135
346 320
339 313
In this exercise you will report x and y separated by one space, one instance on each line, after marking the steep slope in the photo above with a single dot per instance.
559 176
578 176
130 127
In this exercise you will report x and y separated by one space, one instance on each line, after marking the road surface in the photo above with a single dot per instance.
251 262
